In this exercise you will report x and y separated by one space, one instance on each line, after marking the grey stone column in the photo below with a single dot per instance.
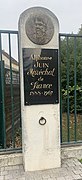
39 45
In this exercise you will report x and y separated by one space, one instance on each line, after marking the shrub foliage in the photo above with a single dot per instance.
71 72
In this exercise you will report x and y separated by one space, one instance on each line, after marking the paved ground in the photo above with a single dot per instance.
71 169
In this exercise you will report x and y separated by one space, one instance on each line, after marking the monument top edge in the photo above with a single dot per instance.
39 9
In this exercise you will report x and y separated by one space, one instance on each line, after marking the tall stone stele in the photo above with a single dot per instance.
38 47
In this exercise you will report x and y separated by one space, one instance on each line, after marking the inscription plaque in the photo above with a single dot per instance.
40 68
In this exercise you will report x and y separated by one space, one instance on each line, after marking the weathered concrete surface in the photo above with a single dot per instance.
41 144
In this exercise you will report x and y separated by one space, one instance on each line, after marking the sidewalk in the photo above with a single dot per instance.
71 169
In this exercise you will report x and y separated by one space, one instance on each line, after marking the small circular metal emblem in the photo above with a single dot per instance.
42 121
39 28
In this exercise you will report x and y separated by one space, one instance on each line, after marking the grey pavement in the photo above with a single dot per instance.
71 170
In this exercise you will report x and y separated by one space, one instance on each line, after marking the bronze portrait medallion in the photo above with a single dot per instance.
39 28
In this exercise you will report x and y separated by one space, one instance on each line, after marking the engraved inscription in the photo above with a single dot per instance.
39 28
40 76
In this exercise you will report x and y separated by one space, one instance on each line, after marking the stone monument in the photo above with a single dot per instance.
38 46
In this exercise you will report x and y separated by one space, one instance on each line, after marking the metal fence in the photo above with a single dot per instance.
71 88
10 116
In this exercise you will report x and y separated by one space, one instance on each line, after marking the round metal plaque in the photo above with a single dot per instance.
39 28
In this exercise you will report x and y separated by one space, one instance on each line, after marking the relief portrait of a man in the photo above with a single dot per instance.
39 29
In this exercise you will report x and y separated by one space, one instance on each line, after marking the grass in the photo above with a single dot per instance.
80 161
70 127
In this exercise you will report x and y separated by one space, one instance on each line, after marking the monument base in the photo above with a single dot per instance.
41 143
46 160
